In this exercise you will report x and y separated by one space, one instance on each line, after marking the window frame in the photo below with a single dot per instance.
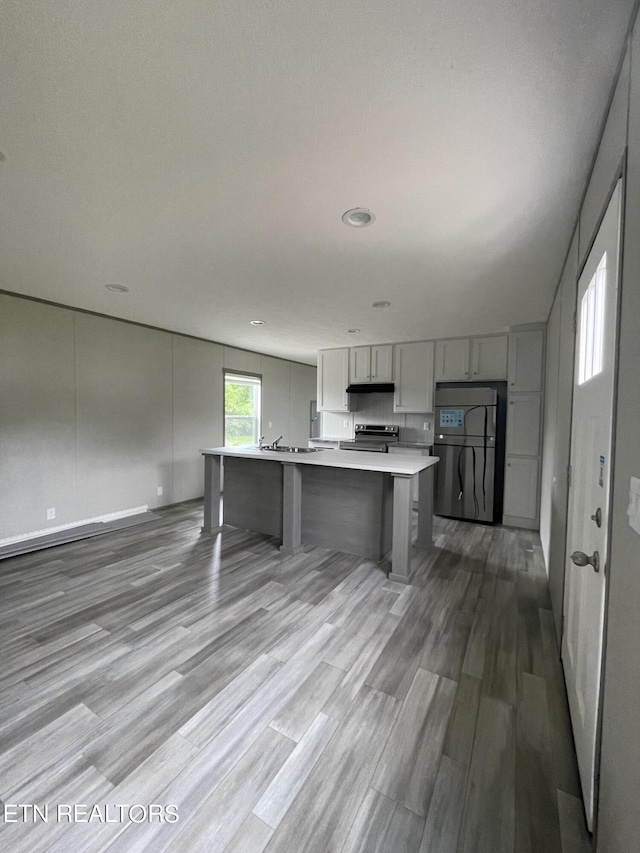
257 380
592 324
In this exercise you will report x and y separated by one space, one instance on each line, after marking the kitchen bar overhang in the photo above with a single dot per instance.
359 503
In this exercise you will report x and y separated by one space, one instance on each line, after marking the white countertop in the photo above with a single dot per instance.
358 460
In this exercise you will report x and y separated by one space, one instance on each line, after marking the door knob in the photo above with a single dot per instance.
581 559
597 517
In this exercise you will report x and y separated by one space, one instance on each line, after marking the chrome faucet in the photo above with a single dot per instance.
271 446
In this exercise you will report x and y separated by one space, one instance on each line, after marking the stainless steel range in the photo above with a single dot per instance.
375 438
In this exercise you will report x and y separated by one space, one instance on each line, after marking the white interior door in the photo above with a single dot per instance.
584 599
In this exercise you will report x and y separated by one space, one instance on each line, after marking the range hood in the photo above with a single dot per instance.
371 388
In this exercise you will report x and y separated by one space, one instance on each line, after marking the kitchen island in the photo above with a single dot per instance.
360 503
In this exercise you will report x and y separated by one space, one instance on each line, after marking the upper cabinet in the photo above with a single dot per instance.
489 358
452 360
525 361
474 359
333 378
371 364
413 377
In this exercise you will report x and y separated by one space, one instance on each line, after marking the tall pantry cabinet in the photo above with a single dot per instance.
524 418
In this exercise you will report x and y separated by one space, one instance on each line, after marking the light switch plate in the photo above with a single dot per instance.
633 510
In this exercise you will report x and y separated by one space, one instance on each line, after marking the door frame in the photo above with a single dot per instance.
620 175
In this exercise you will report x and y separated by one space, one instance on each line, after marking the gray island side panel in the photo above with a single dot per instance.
212 493
354 502
347 510
291 508
253 494
426 486
402 528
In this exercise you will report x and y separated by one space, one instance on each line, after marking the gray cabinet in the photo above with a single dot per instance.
333 378
413 377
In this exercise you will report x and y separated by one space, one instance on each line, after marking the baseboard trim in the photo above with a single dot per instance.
61 534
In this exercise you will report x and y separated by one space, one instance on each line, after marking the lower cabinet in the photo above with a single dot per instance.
521 491
324 443
523 425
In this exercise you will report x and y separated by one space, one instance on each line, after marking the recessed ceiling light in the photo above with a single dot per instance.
117 288
353 331
358 217
382 304
258 323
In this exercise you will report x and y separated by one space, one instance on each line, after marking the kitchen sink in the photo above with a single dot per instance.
287 449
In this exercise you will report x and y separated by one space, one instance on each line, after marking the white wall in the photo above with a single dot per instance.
37 416
198 409
548 474
123 415
618 827
610 151
557 430
96 413
276 380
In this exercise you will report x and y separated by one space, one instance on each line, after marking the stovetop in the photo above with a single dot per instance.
374 437
385 432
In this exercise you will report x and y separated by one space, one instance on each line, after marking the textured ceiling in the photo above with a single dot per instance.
202 153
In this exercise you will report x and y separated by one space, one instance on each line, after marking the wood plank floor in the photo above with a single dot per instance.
283 704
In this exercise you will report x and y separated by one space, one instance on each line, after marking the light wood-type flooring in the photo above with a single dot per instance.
285 704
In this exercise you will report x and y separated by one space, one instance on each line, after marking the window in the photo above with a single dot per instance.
592 325
241 409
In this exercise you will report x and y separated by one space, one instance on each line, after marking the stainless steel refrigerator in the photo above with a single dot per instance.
470 443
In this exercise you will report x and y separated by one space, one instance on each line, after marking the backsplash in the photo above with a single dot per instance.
336 424
414 430
377 409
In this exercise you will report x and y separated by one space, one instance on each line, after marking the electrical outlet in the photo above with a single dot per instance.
51 513
426 425
159 491
346 423
270 424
